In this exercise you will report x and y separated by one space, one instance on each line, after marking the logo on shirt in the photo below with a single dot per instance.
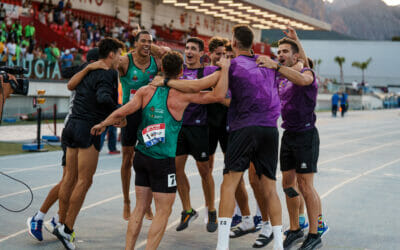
152 109
135 78
303 165
203 155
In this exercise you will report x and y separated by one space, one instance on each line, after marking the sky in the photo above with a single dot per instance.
388 2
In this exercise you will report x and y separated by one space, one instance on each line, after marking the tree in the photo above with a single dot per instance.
340 61
317 63
363 66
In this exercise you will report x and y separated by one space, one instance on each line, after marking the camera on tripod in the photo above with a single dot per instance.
21 85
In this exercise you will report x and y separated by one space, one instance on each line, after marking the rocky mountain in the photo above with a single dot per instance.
365 19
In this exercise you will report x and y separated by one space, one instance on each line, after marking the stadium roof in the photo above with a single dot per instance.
260 14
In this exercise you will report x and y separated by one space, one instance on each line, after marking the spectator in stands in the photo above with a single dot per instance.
2 13
38 53
29 56
11 50
16 30
50 16
90 36
335 101
42 16
66 59
115 31
153 33
171 26
25 10
30 31
77 34
77 57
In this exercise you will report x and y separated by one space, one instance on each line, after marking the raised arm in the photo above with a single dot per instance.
78 77
119 114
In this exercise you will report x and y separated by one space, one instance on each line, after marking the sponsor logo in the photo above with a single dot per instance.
303 165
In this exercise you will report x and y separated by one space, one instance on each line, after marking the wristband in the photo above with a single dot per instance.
166 80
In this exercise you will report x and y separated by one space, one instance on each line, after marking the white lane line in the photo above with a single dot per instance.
358 152
338 135
103 157
53 184
96 204
357 177
358 139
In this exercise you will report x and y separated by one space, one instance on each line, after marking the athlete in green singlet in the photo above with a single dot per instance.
154 163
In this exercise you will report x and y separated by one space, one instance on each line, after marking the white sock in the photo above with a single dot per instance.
56 218
224 227
258 213
278 238
237 210
266 228
247 223
39 216
205 215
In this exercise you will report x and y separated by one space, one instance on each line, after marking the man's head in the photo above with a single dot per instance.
194 50
288 52
229 53
172 63
92 55
242 38
216 48
110 51
143 43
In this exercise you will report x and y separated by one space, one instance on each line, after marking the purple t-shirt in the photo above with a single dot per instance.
298 104
255 100
196 114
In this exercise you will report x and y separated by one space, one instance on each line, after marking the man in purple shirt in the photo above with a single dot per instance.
193 140
300 141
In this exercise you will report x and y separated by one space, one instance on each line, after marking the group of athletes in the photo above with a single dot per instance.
187 110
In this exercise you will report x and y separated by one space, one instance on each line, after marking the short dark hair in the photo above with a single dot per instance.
143 32
228 47
292 43
244 35
108 45
172 63
214 43
198 41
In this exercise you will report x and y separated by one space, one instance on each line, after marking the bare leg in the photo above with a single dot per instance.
272 199
87 164
68 182
143 201
228 189
256 185
182 182
311 198
163 202
207 182
126 172
242 198
52 196
293 204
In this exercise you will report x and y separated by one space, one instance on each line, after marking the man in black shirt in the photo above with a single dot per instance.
95 98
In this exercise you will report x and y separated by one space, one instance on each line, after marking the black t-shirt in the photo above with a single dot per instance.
96 96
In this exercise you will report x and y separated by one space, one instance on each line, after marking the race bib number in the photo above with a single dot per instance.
171 180
133 92
154 134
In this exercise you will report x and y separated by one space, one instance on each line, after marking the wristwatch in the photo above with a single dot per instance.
278 66
166 82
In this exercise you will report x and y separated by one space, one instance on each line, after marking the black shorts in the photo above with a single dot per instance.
299 151
64 156
76 134
193 140
253 144
129 132
217 134
158 174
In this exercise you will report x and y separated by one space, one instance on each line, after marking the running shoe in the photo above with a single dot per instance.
257 222
212 224
68 240
323 229
35 228
115 152
311 243
303 226
292 238
51 225
186 219
236 220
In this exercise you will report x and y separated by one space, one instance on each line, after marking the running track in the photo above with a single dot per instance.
358 181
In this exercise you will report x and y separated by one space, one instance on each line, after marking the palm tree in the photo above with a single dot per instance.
340 61
362 65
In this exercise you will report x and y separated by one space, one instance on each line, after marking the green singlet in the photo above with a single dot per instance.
136 78
158 132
